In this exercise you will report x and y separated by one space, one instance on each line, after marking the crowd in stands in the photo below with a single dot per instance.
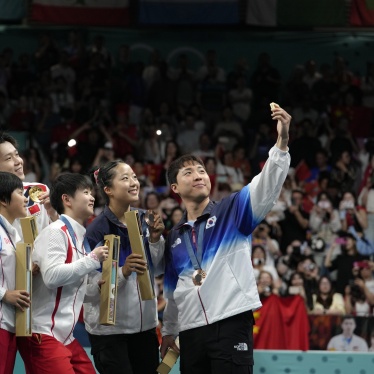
81 105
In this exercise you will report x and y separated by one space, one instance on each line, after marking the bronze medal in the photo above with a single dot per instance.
149 218
34 193
198 277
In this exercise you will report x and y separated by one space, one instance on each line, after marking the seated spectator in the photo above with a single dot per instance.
325 300
343 262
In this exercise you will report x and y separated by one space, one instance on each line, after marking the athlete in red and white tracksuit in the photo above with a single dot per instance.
7 282
58 293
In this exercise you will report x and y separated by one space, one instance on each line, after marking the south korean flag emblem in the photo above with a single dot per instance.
211 222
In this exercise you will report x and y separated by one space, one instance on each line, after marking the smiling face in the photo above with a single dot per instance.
10 160
193 182
81 204
124 187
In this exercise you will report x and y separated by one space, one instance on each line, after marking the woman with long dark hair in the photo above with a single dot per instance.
131 345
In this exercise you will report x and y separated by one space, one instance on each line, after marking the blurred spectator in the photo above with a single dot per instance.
311 75
241 162
259 264
325 300
261 236
296 221
324 223
347 340
310 271
228 173
47 53
240 99
5 110
265 284
229 128
265 81
205 148
210 65
32 165
152 71
367 86
22 118
343 262
188 136
64 70
351 214
345 172
295 285
172 152
98 48
366 199
185 88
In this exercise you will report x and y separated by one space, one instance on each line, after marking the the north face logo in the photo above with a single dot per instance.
241 347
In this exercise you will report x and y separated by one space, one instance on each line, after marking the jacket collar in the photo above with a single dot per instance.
203 217
113 218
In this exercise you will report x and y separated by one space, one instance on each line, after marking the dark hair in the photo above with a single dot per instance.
328 302
105 175
8 183
151 193
179 163
67 183
4 137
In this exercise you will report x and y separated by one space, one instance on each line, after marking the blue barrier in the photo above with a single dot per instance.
294 362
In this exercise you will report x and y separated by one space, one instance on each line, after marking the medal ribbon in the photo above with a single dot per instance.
86 245
7 234
197 257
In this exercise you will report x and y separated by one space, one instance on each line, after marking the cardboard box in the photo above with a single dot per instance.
134 228
24 282
108 294
29 229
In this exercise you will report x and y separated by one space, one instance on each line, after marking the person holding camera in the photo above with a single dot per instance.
343 262
324 222
265 284
310 271
259 264
352 214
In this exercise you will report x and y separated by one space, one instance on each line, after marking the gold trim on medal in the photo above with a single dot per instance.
149 218
198 277
34 193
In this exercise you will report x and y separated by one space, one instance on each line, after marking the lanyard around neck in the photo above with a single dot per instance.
2 224
196 258
86 245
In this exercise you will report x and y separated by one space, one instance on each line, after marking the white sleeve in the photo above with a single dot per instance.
49 254
2 292
265 187
157 253
92 289
170 322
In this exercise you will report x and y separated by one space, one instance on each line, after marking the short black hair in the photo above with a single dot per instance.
179 163
67 183
103 177
8 183
4 137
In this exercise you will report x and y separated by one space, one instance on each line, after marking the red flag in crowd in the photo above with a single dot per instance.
281 323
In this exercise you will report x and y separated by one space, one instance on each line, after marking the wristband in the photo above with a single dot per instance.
93 255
